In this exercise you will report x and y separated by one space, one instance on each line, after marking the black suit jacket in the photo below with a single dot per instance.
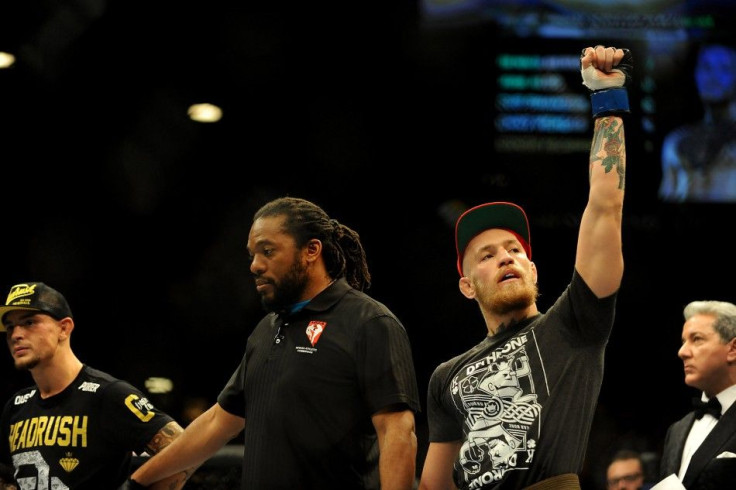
706 471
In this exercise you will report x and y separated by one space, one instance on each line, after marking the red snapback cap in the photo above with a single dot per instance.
483 217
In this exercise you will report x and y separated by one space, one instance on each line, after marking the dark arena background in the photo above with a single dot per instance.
395 116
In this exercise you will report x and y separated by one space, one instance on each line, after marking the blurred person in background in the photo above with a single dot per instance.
626 471
699 158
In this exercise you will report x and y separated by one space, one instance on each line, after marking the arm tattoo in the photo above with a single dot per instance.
608 147
164 437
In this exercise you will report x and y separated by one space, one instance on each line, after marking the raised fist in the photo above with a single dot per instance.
603 68
606 71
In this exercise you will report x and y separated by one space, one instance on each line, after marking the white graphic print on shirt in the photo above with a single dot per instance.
497 396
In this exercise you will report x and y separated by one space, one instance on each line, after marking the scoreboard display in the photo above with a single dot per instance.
536 105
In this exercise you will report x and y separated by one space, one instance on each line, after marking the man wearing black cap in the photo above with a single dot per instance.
515 411
77 427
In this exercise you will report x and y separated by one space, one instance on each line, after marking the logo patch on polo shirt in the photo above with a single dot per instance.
314 330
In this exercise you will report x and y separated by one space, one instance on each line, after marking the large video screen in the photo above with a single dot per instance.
684 100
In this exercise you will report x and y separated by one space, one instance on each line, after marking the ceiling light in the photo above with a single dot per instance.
204 113
6 60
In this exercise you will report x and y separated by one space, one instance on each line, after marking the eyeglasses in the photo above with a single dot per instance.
626 478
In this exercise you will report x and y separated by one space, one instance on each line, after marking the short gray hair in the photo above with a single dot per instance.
724 313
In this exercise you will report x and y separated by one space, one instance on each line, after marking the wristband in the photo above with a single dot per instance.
134 485
609 101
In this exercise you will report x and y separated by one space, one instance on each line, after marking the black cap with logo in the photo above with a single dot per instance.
35 296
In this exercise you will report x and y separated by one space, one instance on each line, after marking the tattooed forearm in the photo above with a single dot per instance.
163 438
608 149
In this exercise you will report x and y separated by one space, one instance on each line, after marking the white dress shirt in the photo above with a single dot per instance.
702 427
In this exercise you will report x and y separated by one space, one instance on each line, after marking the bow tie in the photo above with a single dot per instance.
712 406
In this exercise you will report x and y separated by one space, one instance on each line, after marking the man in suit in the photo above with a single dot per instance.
700 448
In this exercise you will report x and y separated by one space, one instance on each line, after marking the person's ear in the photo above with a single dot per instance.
466 287
314 249
67 325
731 354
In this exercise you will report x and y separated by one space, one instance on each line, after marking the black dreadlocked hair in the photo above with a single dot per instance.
342 251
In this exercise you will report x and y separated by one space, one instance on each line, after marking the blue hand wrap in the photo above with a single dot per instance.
609 102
